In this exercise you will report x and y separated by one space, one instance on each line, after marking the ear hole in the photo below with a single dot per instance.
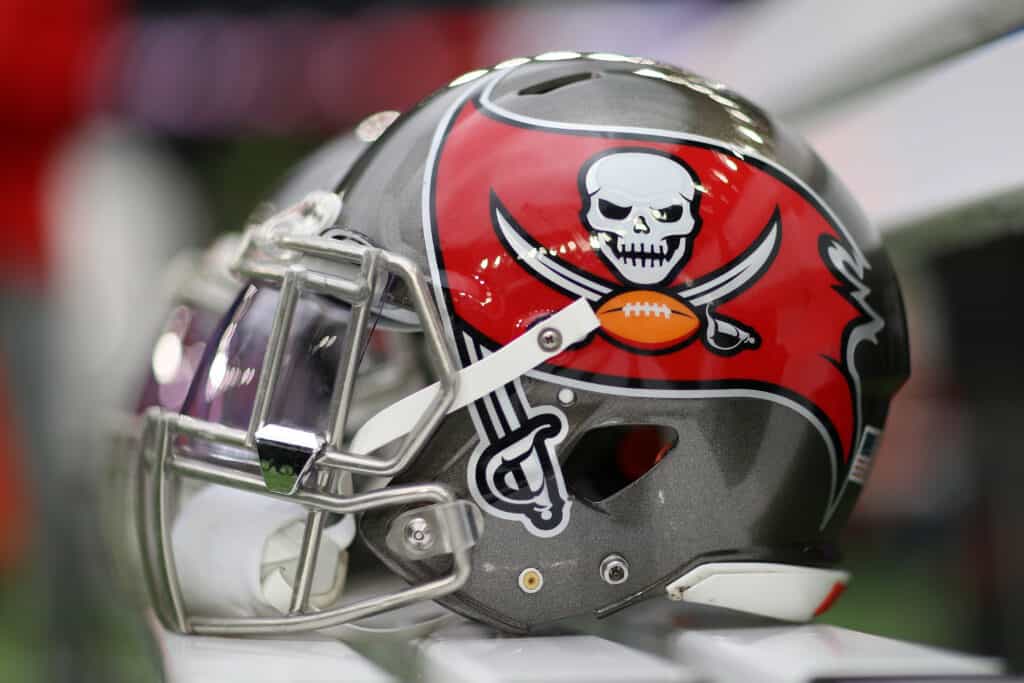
556 83
608 459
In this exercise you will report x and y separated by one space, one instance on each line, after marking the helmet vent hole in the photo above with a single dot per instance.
556 83
607 459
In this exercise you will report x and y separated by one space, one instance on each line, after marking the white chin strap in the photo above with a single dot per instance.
521 355
237 552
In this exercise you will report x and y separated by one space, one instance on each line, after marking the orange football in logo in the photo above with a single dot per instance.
649 320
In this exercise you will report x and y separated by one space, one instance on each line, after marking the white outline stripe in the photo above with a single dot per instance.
636 392
860 333
487 103
486 86
486 399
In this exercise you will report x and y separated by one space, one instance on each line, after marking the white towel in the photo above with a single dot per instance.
237 553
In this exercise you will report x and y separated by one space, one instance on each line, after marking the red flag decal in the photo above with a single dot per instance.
713 273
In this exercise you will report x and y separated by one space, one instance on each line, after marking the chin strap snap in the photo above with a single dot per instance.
780 591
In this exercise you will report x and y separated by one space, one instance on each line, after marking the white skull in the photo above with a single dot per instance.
639 209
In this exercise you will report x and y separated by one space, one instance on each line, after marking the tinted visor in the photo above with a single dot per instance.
177 355
226 382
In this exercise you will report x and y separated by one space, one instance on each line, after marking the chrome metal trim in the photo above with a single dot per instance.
286 251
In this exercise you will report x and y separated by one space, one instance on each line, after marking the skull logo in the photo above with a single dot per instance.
641 206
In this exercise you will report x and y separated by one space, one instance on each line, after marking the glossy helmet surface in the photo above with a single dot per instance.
664 335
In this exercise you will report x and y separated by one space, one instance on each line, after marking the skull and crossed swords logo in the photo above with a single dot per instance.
641 209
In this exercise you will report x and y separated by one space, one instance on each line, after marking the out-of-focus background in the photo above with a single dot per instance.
129 131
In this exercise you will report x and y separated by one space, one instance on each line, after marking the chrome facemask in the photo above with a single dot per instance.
315 468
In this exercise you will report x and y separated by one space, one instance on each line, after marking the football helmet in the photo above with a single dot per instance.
654 345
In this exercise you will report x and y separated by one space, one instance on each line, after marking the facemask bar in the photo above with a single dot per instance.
287 250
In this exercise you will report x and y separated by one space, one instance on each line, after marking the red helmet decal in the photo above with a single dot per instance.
713 272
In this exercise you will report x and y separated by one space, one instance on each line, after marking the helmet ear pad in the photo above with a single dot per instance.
731 488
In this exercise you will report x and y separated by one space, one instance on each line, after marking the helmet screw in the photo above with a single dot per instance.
614 569
418 535
530 580
549 339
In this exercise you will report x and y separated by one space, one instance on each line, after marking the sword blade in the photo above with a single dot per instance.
737 274
544 265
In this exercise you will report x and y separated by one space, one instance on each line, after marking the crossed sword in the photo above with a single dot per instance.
726 336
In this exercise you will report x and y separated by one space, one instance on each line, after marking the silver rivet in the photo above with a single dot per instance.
614 570
418 535
531 580
566 396
549 339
